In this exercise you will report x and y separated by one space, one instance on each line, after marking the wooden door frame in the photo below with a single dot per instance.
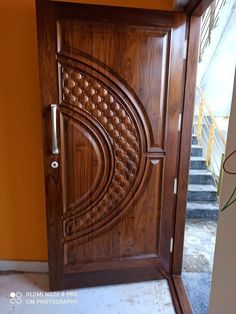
179 294
195 9
46 16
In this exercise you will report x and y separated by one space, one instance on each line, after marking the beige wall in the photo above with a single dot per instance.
223 295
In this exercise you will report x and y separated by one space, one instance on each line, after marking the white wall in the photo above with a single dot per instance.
216 71
223 294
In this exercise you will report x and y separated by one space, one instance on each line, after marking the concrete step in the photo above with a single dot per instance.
196 151
197 163
201 193
194 139
202 210
200 177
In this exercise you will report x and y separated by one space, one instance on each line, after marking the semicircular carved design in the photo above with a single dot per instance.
91 148
117 115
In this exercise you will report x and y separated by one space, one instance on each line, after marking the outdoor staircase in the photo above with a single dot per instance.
202 193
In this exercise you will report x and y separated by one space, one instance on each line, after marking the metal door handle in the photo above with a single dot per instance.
55 150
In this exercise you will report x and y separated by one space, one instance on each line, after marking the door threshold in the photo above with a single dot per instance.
179 295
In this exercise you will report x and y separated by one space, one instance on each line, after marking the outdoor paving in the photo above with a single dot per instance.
199 247
198 286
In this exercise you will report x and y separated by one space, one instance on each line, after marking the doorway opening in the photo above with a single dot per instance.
210 124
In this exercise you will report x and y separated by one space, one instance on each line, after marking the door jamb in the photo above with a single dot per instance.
195 9
178 291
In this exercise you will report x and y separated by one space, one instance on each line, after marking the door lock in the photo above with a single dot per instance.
54 164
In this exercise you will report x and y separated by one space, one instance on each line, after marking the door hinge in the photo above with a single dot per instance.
171 244
180 122
185 49
175 185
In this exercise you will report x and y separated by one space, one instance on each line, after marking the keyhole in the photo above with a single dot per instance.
54 164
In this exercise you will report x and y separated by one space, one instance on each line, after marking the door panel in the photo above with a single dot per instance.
136 55
119 99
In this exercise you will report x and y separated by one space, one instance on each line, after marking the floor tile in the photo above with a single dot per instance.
134 298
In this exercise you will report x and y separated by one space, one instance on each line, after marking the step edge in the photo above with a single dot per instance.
203 204
196 146
204 172
208 187
197 158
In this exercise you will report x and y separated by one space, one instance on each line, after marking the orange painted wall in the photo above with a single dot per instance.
22 200
22 218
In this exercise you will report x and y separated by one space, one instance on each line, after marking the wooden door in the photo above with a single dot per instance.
116 77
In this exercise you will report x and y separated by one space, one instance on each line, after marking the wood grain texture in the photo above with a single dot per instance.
180 4
182 295
49 95
197 7
117 79
179 295
148 4
116 15
202 7
186 139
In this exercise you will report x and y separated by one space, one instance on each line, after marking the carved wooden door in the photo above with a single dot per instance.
116 77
